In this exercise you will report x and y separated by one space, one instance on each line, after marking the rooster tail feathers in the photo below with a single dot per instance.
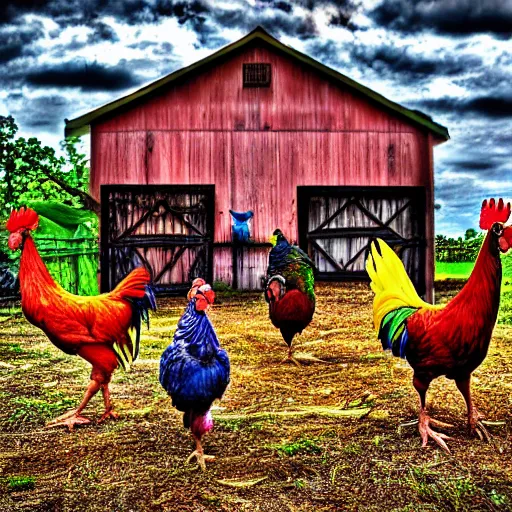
124 352
133 286
127 351
140 313
389 281
393 331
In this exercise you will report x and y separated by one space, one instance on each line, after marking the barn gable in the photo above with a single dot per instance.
258 38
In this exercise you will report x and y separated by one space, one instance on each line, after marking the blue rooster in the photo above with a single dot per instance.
240 229
194 369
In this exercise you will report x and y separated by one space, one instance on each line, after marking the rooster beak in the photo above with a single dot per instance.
505 240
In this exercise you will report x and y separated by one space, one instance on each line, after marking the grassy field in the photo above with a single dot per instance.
462 270
324 436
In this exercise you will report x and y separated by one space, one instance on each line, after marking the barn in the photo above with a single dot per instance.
259 126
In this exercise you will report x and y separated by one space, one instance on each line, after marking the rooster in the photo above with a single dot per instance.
104 330
194 369
450 340
290 290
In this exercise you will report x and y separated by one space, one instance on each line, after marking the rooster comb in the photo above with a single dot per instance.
493 212
24 218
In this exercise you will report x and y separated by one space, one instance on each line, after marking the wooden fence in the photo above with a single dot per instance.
72 262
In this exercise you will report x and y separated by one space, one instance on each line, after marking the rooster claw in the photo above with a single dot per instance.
68 421
108 414
438 437
436 423
201 458
292 360
440 424
482 432
425 431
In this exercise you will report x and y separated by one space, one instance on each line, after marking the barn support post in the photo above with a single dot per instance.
429 223
235 266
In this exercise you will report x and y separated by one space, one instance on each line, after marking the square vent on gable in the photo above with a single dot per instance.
257 75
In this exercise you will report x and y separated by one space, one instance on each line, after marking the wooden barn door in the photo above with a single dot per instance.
166 228
337 224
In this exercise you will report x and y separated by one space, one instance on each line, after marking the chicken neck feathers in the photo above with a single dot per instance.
294 265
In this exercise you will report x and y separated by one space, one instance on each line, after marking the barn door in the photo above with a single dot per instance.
337 224
166 228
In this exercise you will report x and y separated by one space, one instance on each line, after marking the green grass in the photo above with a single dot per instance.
20 483
454 492
29 409
457 270
505 313
463 269
301 446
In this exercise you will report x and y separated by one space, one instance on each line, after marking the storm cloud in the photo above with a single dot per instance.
488 106
407 65
86 77
453 17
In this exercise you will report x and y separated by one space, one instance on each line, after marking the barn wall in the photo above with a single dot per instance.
258 145
257 170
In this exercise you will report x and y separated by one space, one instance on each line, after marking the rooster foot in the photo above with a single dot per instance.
108 414
201 458
69 420
477 427
291 359
481 432
432 421
424 423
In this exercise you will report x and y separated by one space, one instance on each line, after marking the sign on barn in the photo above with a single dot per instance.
272 131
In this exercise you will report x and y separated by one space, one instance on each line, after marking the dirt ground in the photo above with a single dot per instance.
324 436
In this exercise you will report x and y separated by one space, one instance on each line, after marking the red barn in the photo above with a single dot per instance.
259 126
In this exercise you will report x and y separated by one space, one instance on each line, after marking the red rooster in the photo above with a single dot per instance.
98 329
450 340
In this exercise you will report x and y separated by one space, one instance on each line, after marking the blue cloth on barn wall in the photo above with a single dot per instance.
240 230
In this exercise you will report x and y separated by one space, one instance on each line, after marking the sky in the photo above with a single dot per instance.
451 59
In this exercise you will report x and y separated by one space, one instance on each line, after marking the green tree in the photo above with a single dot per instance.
30 171
470 233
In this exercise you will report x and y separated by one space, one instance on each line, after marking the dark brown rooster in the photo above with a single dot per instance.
290 290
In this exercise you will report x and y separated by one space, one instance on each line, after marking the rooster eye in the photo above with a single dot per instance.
497 229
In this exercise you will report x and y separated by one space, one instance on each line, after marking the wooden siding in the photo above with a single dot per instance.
258 144
256 170
297 99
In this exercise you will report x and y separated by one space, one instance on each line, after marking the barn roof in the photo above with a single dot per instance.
80 125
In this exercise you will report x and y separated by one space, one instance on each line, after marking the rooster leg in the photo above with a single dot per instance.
424 419
72 418
474 417
109 412
290 357
198 453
